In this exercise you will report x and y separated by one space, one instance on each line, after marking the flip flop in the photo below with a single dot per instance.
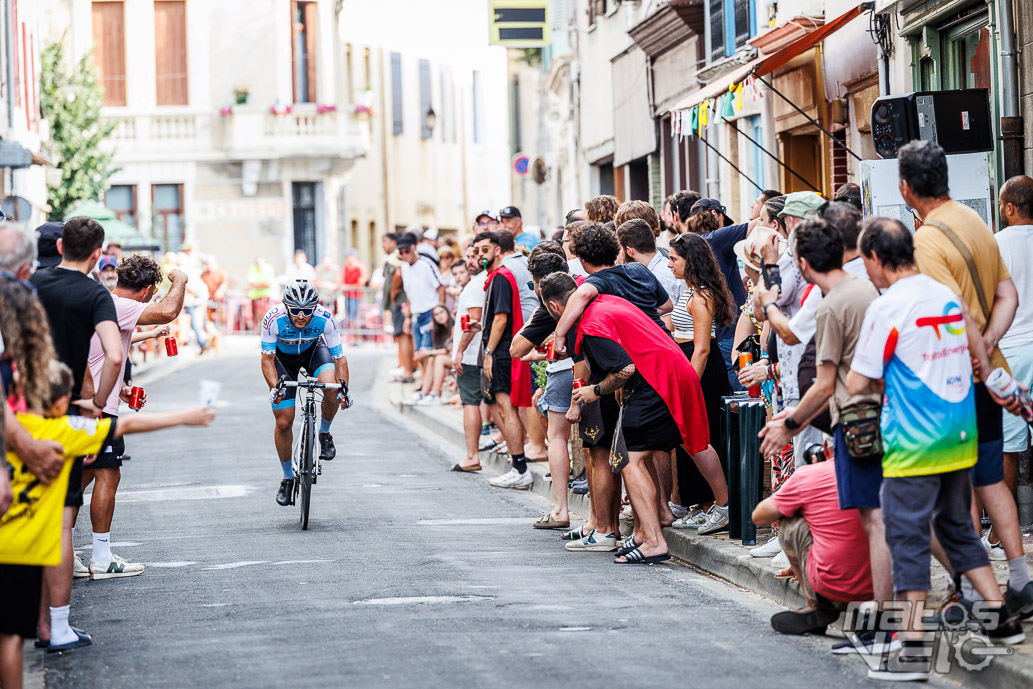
632 545
40 643
82 639
462 469
635 557
548 521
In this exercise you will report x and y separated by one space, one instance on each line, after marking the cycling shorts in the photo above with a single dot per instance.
314 360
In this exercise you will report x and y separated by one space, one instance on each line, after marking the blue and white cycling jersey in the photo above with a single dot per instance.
280 335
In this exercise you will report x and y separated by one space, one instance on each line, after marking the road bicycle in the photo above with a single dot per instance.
307 465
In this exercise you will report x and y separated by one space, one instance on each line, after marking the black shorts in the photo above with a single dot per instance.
314 360
73 498
397 321
501 374
20 589
599 421
110 457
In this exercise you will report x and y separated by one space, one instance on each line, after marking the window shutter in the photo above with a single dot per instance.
396 93
170 41
476 107
742 22
311 31
109 53
425 131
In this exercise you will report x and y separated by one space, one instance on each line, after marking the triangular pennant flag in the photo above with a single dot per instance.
694 118
703 113
727 109
738 96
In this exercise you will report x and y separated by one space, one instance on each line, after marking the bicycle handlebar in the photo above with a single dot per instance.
310 384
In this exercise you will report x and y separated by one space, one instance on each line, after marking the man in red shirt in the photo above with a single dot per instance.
354 280
826 546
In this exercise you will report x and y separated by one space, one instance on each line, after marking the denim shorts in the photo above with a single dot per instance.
989 468
559 387
422 327
1016 430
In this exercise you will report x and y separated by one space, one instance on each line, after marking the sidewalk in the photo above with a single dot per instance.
721 557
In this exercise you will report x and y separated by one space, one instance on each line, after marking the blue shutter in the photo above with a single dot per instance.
398 120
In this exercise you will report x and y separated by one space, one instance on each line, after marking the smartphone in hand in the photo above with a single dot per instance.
771 275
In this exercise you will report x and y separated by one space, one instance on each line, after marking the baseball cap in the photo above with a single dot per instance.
406 240
710 205
49 233
107 262
749 249
430 233
486 214
803 204
509 212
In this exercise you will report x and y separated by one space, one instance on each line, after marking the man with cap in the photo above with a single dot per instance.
788 298
486 221
424 290
107 270
428 245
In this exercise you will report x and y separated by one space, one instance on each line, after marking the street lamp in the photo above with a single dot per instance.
430 118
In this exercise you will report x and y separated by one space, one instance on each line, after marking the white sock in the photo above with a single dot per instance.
101 547
60 632
969 591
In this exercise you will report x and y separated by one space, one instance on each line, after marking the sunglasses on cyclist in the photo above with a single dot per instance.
301 312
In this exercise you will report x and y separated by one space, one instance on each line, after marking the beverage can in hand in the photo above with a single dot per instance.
578 383
136 398
464 322
745 359
1004 386
171 347
550 351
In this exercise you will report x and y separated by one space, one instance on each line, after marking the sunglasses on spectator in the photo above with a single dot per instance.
302 312
486 249
485 223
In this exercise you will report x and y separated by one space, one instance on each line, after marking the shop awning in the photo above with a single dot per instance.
768 63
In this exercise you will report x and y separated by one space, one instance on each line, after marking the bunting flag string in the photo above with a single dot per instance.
738 96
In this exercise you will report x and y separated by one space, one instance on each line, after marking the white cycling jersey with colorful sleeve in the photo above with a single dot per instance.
280 335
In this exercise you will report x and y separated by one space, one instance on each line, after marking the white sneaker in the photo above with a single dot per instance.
780 561
678 510
414 398
717 520
693 520
594 542
80 571
769 549
114 568
627 514
995 551
398 371
430 400
513 479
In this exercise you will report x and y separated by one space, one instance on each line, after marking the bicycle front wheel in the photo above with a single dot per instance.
307 470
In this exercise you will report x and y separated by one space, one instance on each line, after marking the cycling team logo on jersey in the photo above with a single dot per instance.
951 314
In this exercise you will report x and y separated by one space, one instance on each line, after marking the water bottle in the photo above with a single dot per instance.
1004 386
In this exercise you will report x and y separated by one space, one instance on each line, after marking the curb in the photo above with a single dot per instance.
719 557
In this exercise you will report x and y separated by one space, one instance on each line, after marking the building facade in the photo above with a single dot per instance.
238 135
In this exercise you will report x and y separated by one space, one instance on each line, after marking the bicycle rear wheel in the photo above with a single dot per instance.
307 470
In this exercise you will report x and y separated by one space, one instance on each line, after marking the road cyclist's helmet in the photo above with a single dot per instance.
300 294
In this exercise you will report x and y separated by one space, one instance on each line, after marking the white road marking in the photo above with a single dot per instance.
575 629
177 563
298 562
234 565
185 493
489 521
421 600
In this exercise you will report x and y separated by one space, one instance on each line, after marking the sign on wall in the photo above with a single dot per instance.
518 23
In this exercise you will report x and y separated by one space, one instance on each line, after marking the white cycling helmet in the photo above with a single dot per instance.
300 294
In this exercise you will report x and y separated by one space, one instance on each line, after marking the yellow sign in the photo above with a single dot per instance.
30 531
518 23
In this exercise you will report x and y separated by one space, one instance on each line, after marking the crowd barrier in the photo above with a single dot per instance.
742 418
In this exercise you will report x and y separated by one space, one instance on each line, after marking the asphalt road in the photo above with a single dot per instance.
410 576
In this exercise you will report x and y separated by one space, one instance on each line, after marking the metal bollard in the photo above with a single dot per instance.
730 420
751 467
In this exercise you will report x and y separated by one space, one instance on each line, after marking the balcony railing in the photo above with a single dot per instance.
245 132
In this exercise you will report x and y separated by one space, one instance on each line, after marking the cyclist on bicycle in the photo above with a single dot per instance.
299 333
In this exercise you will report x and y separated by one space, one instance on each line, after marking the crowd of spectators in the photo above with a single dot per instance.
869 342
69 314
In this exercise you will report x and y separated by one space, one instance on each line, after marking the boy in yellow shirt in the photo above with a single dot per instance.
30 530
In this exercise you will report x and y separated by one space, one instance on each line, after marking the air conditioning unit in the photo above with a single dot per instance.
959 121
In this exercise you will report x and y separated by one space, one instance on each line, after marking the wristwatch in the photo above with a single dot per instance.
490 352
597 390
791 423
767 306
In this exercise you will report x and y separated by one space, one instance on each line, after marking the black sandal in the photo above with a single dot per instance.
635 557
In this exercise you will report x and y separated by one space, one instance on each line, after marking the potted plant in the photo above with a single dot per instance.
240 94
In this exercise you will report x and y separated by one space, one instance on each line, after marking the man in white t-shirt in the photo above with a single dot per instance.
1016 245
138 280
466 348
424 290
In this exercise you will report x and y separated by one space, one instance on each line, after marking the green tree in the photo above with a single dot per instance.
70 100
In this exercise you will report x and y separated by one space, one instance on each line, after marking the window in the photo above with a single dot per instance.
396 93
477 107
516 142
732 23
303 50
167 203
170 47
425 105
109 52
367 70
596 9
304 199
121 198
605 172
970 54
349 73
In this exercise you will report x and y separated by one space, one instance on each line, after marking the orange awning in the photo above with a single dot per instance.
766 64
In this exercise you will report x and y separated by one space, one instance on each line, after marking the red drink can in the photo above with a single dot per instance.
136 398
171 347
578 383
754 391
464 322
745 359
550 352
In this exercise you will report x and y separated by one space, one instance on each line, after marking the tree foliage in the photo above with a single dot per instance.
71 100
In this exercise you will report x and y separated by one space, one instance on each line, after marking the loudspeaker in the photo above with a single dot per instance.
959 121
